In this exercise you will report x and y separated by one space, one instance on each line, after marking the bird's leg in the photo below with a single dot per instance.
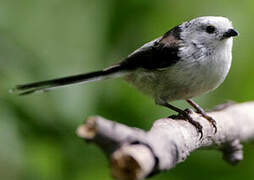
186 115
203 113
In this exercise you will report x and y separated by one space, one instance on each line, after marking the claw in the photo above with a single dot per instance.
211 120
197 125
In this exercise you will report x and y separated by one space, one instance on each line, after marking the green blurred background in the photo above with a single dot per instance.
41 39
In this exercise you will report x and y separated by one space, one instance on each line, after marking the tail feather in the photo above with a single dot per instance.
42 86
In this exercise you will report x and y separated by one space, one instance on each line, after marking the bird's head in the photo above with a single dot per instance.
208 30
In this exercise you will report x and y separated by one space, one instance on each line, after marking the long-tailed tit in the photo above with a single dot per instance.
189 60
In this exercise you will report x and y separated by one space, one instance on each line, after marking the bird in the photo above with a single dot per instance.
189 60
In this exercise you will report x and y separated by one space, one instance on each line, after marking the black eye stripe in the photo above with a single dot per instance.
210 29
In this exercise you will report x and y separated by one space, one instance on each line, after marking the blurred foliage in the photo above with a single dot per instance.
41 39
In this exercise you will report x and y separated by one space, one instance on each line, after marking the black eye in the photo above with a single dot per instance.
210 29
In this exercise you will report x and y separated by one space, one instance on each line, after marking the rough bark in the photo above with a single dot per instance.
136 154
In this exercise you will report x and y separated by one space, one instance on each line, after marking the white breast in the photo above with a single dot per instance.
192 77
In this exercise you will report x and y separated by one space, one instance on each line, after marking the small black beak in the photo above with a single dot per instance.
230 33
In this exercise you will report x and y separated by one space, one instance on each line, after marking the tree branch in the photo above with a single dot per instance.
136 154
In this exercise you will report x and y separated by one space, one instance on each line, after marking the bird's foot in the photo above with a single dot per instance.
210 119
203 113
186 115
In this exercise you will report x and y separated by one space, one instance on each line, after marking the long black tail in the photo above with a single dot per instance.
42 86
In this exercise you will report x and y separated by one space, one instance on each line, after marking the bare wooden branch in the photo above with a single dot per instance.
136 154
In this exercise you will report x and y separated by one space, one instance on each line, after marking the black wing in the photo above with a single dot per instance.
158 54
